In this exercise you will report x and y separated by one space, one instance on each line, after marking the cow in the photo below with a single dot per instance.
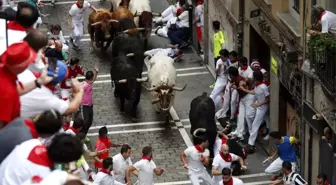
162 77
202 120
126 69
99 28
119 3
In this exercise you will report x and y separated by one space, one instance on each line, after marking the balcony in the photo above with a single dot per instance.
322 49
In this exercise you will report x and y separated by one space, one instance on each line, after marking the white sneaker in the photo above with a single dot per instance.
266 137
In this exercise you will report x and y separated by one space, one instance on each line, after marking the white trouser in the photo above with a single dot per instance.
152 52
194 177
168 13
163 32
246 111
275 167
230 101
77 33
259 117
217 90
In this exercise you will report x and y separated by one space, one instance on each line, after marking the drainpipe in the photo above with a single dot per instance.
240 27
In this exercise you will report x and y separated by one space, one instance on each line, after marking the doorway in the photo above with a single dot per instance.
259 49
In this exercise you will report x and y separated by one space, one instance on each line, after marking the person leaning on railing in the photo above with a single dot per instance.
326 18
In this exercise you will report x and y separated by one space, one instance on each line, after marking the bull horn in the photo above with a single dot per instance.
95 24
179 88
130 55
155 101
122 81
126 31
140 29
113 20
198 130
156 14
142 79
150 89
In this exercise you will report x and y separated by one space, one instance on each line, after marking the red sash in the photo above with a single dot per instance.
226 158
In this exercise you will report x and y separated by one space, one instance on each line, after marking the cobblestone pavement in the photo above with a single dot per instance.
167 140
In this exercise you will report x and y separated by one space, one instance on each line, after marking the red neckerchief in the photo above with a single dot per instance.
244 68
12 25
78 5
36 179
66 126
230 182
326 183
320 17
149 158
51 87
259 83
199 149
39 156
105 171
31 126
106 141
226 158
224 140
76 131
267 83
199 3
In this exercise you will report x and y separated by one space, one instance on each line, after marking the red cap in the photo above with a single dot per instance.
179 11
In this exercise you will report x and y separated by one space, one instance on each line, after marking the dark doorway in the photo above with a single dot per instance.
259 49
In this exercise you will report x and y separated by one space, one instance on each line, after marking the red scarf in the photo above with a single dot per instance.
105 171
267 83
106 141
76 131
12 25
31 126
79 5
199 3
259 83
224 140
244 68
320 17
226 158
199 149
149 158
66 126
230 182
36 179
39 156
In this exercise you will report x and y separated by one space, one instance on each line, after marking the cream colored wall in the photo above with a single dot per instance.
315 158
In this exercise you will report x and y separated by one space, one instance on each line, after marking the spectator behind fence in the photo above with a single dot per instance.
31 158
327 19
20 130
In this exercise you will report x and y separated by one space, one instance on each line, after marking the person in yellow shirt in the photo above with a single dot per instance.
219 41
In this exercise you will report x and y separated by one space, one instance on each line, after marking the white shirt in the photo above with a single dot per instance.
121 164
220 164
183 20
77 13
146 171
217 145
105 179
39 99
223 76
261 92
19 167
194 162
248 73
199 13
236 181
59 37
56 177
328 22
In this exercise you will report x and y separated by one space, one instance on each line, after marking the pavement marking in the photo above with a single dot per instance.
189 182
252 175
144 73
178 75
180 127
129 131
135 124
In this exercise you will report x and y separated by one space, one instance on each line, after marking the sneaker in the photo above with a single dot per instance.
71 40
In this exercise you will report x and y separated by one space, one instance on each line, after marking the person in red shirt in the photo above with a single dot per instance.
74 69
103 143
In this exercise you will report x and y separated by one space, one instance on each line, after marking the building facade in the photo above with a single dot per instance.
303 85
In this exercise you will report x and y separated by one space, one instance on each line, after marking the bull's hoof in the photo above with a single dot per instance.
135 119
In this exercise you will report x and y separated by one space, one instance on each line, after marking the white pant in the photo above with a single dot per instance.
163 32
219 87
275 167
168 13
246 111
194 178
259 117
230 101
77 33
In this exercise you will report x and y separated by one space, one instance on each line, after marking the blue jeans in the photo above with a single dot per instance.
176 36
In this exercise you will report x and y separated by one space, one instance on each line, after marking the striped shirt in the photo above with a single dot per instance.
293 179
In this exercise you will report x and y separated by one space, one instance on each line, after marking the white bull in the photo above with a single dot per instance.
137 7
162 78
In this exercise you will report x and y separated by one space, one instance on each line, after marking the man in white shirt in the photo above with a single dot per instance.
227 178
262 94
179 36
326 18
171 24
145 167
223 160
32 158
106 176
198 156
76 20
222 77
121 162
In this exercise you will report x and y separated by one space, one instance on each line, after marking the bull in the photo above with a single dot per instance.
119 3
162 77
126 69
99 28
202 120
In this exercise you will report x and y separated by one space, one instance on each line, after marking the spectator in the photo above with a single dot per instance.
169 12
290 177
87 103
20 130
145 167
56 34
199 21
180 35
15 60
219 41
106 175
32 158
326 18
322 179
327 135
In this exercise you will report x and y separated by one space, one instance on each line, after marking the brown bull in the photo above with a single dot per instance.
100 22
121 13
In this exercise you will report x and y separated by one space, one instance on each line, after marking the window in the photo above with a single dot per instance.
294 9
296 6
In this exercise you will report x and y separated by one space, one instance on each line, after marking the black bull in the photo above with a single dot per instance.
125 70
